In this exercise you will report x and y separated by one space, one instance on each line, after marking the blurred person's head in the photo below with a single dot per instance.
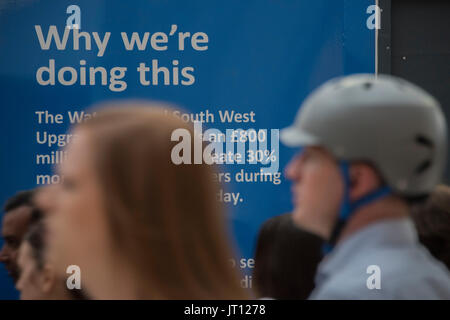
318 187
370 146
286 259
38 277
432 220
19 213
137 225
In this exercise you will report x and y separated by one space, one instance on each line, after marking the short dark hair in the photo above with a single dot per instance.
432 220
23 198
286 259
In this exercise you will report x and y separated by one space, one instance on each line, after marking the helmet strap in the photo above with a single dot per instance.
348 207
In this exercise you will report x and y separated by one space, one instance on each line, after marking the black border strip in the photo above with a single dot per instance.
384 38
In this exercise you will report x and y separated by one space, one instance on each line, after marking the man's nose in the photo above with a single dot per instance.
292 170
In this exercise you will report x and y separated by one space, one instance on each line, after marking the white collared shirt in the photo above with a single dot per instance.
406 268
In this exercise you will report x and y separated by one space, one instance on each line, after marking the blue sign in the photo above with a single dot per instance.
233 64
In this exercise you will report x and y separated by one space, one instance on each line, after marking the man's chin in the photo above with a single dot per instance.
303 221
299 218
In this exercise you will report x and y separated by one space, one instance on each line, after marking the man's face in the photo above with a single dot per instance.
317 190
14 227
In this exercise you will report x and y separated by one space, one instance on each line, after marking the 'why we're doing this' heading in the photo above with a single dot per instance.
148 75
159 41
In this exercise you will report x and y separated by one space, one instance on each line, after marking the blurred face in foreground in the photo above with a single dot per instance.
131 219
76 220
317 189
38 279
30 283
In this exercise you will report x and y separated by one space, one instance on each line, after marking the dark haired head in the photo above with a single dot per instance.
23 198
432 220
286 259
20 213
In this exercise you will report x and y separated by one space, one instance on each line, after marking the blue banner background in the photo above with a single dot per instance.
263 55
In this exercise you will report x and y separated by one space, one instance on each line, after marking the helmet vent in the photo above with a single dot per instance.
424 141
427 143
424 166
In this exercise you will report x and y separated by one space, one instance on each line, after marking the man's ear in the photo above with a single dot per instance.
47 280
363 180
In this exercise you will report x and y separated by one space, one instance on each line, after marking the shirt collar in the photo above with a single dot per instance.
387 233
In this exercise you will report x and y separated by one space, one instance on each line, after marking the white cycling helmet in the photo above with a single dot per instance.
387 121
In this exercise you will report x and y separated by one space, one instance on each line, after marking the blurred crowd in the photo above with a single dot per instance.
370 218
